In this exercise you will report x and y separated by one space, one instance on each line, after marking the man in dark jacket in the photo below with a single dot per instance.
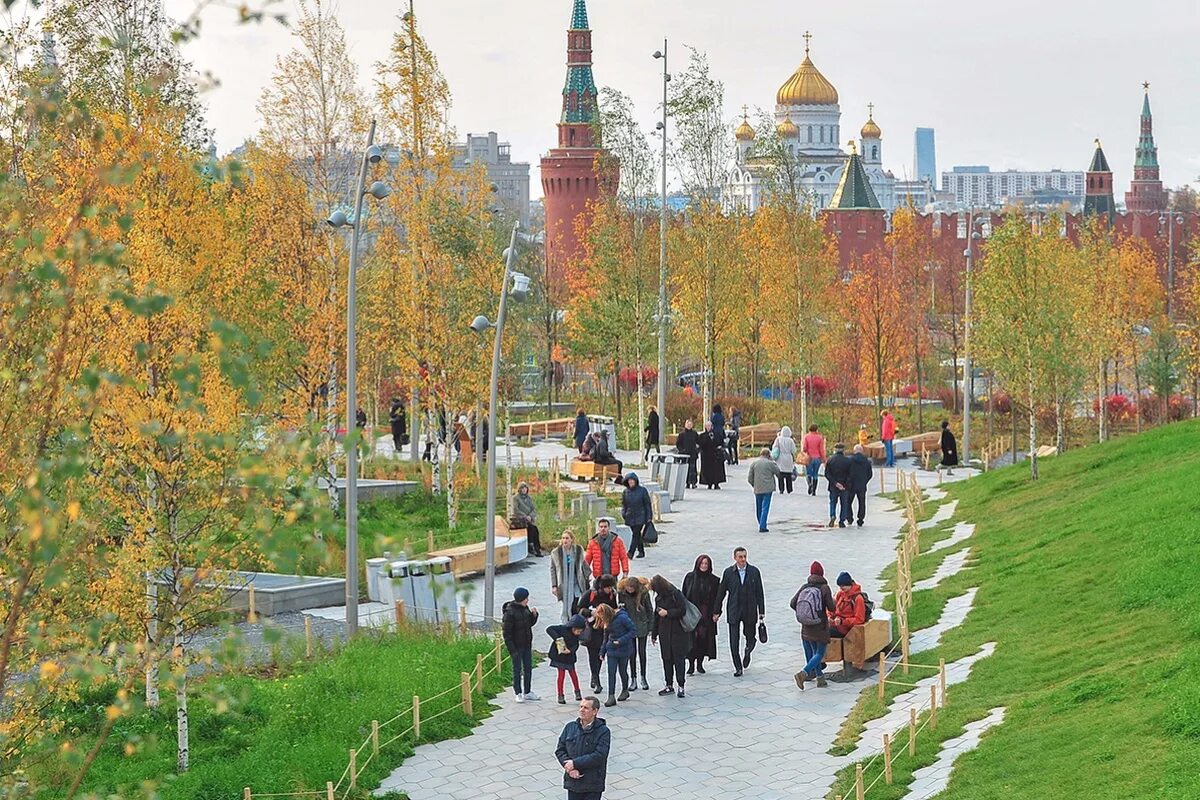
398 417
837 472
603 454
688 444
637 513
860 477
742 583
813 604
582 429
519 621
583 752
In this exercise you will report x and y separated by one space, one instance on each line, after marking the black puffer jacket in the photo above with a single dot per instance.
635 502
518 623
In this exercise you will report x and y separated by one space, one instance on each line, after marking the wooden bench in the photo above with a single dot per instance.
591 471
860 644
469 559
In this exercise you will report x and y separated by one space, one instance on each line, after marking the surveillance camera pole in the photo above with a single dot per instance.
352 401
662 269
489 570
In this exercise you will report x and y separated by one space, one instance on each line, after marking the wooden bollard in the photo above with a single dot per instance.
352 773
466 694
479 671
307 636
545 430
887 759
912 731
328 790
562 503
933 707
252 612
498 656
942 679
899 480
882 674
416 715
430 540
462 620
246 793
904 645
375 736
859 790
882 481
399 613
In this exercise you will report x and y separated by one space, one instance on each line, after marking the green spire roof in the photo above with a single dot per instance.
1147 153
1099 162
1145 101
854 189
579 20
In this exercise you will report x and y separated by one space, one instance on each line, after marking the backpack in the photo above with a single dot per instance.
810 609
868 604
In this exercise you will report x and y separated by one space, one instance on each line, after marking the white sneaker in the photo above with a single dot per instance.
520 698
532 696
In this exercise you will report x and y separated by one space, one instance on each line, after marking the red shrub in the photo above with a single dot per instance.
945 396
1177 409
910 392
683 405
1118 408
1002 403
818 388
628 378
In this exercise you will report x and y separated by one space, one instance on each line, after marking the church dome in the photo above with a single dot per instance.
870 130
787 129
807 86
744 132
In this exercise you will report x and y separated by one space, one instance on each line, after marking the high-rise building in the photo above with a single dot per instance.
1146 192
511 178
924 156
570 177
979 187
1099 199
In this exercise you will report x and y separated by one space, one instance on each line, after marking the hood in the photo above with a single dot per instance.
817 580
598 724
786 431
852 589
632 476
507 605
577 621
522 485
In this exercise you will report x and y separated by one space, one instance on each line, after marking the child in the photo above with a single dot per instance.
519 619
563 650
863 436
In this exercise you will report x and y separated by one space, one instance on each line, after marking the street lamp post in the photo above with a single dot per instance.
338 219
968 369
1169 219
480 324
662 259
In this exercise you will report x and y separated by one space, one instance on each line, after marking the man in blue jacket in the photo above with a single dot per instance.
583 752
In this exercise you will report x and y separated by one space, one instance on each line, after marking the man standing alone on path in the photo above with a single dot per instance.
583 752
888 435
651 433
742 582
860 477
762 476
637 513
837 472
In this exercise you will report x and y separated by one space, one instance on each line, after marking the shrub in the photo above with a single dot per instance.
1177 409
1002 402
945 395
1117 407
683 405
629 376
910 392
818 388
751 408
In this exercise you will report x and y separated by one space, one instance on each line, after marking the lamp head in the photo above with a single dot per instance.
379 190
976 236
658 54
374 154
480 324
658 126
967 252
338 219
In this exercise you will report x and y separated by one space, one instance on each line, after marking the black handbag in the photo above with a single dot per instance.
650 533
762 632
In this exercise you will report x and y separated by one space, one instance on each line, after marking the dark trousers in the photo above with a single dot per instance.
583 795
858 496
674 669
651 444
640 655
522 665
637 545
842 497
737 627
618 664
594 656
785 482
535 539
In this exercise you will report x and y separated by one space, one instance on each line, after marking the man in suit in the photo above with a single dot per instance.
742 583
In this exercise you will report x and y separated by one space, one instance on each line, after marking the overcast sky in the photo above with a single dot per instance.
1026 84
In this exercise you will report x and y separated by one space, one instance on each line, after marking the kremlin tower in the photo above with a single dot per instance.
569 171
1099 192
1146 192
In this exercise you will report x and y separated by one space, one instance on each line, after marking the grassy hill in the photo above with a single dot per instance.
1089 581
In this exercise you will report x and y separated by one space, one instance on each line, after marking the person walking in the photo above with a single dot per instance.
669 609
949 448
564 649
837 472
606 553
398 417
620 635
518 621
712 457
813 604
762 476
582 751
888 436
742 584
861 471
700 587
652 431
813 447
688 444
525 516
569 573
734 435
605 594
718 422
634 596
784 453
582 429
637 513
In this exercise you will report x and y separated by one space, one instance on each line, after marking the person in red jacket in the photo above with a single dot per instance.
888 436
850 607
606 553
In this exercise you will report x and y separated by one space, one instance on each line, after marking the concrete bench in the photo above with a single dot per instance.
468 559
861 643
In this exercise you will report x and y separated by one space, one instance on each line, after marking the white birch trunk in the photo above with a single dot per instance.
451 495
179 666
1033 461
331 438
151 654
508 470
435 450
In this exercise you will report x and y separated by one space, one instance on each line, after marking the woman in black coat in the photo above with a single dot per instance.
712 457
949 447
669 608
688 444
700 586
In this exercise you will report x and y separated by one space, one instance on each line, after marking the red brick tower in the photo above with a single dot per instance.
569 172
1146 192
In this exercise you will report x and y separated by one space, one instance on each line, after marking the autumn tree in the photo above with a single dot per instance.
910 253
874 305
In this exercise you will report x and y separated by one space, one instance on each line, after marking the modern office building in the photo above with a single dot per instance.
979 187
511 178
924 156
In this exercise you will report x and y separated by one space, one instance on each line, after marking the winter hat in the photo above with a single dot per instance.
520 594
844 579
577 621
816 569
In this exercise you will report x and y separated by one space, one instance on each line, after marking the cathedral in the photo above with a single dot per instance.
808 129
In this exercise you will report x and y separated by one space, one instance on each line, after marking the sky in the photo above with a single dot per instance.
1027 84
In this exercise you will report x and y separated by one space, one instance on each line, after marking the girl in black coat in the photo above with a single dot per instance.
563 652
700 586
605 593
669 608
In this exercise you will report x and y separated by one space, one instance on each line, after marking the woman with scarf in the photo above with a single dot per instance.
634 594
525 516
569 573
700 586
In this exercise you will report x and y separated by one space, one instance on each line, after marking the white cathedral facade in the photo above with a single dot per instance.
808 125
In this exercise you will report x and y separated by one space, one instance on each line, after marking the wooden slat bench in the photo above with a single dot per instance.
590 470
860 644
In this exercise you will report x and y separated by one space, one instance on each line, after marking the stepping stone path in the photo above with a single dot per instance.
944 512
962 532
933 780
953 615
951 565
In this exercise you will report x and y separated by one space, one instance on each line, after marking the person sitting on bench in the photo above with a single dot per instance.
850 607
603 456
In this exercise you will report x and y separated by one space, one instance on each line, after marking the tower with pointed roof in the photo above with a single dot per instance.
1146 192
854 190
571 174
1098 198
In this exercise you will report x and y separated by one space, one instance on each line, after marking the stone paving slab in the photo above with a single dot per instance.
943 512
951 565
962 531
932 780
953 615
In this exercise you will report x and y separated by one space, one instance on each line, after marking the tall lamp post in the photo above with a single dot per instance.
662 259
1170 220
968 382
338 219
519 291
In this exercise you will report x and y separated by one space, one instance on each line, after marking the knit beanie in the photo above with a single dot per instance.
816 569
844 579
577 621
521 594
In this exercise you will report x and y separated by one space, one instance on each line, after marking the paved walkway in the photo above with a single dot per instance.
758 730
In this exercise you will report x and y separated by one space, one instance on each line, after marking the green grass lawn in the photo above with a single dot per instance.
286 732
1090 584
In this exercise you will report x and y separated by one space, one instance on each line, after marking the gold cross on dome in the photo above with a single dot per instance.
871 110
745 112
807 40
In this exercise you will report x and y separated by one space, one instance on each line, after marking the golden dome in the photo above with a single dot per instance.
787 129
807 86
744 132
870 130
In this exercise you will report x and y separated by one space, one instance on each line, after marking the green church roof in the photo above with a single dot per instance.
854 189
579 20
